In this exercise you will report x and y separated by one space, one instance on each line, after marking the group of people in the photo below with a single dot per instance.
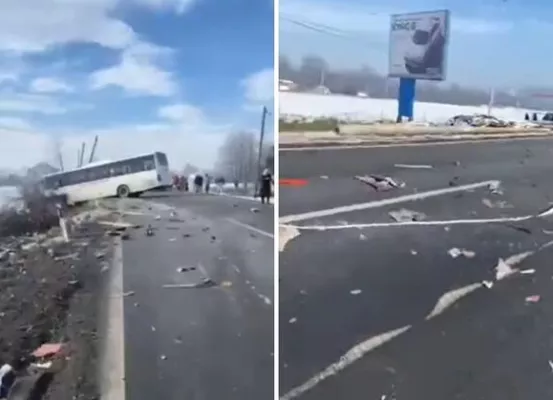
202 184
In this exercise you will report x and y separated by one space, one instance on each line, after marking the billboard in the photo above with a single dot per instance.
418 45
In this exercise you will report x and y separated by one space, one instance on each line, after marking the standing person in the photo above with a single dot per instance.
198 183
207 183
266 186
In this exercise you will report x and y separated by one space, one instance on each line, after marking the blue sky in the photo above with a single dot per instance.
502 43
173 75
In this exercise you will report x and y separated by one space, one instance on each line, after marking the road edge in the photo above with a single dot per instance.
112 352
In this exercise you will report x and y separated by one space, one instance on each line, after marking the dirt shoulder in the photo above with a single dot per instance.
51 292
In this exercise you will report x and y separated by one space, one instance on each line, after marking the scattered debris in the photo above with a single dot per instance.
413 166
149 231
205 229
254 210
551 365
533 299
495 188
543 230
414 252
503 270
355 291
158 217
380 183
527 271
362 237
204 283
405 215
186 269
478 121
173 239
488 284
163 357
128 294
178 340
454 181
496 204
324 177
293 320
456 252
226 284
186 235
47 350
519 228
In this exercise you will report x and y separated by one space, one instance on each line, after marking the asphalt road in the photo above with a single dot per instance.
343 287
211 342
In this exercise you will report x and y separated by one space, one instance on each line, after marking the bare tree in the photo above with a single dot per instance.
237 157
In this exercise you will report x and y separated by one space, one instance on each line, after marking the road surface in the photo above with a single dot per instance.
375 309
214 341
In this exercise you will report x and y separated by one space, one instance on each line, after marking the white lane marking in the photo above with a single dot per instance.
261 296
347 359
385 202
251 228
413 166
236 196
113 359
346 146
409 223
447 299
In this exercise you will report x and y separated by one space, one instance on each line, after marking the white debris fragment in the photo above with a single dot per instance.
292 320
405 215
324 177
551 365
503 270
488 284
414 252
158 217
456 252
528 271
362 237
356 292
494 188
413 166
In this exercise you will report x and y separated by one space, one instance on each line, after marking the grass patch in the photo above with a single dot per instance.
315 125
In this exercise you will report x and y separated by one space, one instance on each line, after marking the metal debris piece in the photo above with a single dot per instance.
503 270
380 183
254 210
292 320
456 252
530 271
488 284
362 237
163 357
414 252
533 299
226 284
405 215
158 217
324 177
128 294
149 231
355 291
495 188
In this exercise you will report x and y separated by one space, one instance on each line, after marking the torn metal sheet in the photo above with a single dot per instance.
456 252
380 183
405 215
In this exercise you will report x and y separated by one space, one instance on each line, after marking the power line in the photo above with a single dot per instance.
325 29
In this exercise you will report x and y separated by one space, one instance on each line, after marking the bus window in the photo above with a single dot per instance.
149 165
162 159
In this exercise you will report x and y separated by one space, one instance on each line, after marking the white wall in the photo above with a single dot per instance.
355 109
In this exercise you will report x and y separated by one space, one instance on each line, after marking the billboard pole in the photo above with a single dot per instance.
406 99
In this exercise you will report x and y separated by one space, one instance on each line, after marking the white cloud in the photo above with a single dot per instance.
139 72
184 113
30 103
259 87
14 123
179 6
50 85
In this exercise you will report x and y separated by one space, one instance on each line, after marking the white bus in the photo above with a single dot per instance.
129 177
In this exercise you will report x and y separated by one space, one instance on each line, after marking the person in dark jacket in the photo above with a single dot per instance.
198 183
266 186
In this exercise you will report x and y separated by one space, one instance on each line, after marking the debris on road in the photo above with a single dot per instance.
356 292
292 320
496 204
413 166
380 183
128 294
226 284
324 177
533 299
362 237
530 271
495 188
149 231
519 228
254 210
414 252
405 215
488 284
456 252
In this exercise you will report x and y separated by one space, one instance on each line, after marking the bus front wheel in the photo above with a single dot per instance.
123 191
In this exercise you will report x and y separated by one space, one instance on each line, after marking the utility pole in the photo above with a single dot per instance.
264 114
93 149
